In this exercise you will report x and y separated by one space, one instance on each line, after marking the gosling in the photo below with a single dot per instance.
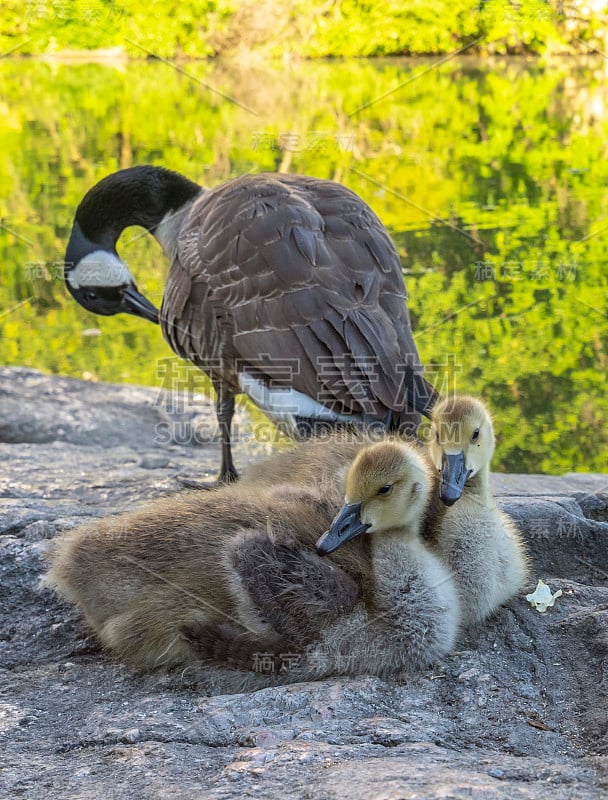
477 541
143 577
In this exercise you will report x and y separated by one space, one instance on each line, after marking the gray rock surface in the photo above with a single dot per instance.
519 710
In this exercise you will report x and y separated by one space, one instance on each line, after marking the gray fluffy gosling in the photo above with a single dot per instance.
480 543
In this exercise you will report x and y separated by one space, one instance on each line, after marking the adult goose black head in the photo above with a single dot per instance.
285 287
94 273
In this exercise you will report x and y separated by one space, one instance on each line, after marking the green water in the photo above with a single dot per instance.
490 175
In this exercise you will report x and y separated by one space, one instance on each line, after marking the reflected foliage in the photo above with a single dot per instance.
490 177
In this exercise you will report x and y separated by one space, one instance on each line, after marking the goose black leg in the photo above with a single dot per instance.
225 413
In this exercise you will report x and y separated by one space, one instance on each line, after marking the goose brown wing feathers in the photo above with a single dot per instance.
296 280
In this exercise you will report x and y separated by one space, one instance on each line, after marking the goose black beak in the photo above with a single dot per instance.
346 525
136 303
453 477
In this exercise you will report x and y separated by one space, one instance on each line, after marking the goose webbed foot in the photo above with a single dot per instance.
235 647
224 478
296 591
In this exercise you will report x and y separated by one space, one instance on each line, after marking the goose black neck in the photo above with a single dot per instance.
135 196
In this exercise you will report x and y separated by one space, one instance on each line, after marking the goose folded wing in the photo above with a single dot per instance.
306 287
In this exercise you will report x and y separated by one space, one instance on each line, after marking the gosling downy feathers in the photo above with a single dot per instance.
409 615
480 543
143 577
187 577
263 266
408 612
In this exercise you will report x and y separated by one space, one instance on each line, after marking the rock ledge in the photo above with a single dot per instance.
519 710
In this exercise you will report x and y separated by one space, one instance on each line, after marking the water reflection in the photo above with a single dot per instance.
490 176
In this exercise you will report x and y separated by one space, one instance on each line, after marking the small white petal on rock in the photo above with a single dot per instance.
542 598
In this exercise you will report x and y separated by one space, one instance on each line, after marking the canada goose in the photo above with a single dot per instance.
285 287
408 612
479 542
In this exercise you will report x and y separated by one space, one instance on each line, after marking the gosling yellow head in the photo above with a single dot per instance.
461 443
387 487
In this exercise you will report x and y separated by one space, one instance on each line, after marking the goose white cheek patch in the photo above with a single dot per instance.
100 269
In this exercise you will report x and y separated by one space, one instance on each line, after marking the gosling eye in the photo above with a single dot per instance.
475 435
437 436
385 490
90 296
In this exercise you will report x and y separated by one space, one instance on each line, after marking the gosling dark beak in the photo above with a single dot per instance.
345 526
453 477
136 303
